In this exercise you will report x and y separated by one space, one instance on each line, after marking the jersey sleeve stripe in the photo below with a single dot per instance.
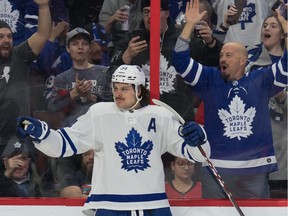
197 76
280 76
63 144
186 153
67 138
189 67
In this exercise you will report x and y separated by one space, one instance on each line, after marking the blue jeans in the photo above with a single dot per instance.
152 212
241 186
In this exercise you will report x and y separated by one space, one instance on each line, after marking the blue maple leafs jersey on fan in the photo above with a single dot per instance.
128 171
237 118
22 17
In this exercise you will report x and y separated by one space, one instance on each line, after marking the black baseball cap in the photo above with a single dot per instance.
3 24
15 148
165 4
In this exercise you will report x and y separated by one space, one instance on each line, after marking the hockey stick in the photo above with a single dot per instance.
210 164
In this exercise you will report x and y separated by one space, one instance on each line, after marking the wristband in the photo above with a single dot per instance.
225 29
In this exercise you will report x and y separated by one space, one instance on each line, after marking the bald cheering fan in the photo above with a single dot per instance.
237 117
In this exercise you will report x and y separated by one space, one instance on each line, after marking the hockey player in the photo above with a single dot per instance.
128 139
237 117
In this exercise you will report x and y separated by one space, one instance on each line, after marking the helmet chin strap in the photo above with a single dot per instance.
137 99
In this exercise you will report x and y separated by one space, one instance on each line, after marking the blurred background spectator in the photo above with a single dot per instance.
15 70
266 53
77 183
20 177
250 20
112 16
83 12
184 182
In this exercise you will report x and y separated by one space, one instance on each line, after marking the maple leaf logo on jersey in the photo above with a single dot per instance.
134 154
9 16
237 122
247 14
167 75
6 74
180 4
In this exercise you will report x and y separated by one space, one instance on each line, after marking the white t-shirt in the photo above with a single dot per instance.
248 28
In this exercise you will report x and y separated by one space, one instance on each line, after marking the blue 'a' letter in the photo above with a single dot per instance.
152 125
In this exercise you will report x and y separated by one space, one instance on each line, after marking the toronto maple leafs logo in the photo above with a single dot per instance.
6 74
247 14
180 4
237 122
8 15
134 154
166 78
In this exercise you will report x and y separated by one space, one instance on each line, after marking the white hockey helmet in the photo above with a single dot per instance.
131 74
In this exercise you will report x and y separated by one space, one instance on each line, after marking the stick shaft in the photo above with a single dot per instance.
220 181
210 164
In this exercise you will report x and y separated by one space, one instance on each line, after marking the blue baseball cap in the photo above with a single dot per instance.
98 32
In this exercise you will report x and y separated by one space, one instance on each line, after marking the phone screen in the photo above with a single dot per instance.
140 33
281 7
283 10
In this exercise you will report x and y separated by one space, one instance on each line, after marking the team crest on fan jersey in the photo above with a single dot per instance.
166 78
247 14
8 15
5 74
237 121
134 153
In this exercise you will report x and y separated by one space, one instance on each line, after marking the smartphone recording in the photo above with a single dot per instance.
140 33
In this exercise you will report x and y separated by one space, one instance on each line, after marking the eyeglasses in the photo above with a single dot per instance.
146 12
183 164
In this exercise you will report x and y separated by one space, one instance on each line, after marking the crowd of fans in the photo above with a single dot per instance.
85 44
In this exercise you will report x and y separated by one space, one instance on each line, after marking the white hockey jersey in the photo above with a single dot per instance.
128 171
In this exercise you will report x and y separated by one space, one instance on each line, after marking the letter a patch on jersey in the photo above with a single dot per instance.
134 154
152 125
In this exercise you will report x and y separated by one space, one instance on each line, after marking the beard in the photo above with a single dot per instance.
89 173
225 76
5 55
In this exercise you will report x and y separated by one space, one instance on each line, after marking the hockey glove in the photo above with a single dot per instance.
28 126
193 134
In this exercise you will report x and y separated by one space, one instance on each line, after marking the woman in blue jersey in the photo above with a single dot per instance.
265 54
